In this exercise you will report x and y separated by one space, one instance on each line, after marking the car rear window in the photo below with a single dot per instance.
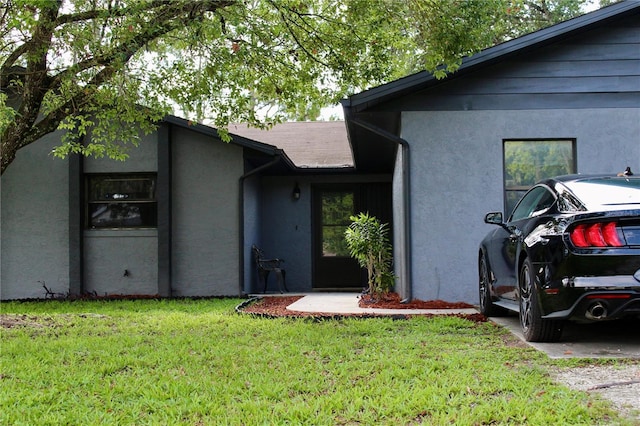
611 193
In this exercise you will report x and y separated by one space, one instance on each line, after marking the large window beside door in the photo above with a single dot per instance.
121 201
528 161
337 208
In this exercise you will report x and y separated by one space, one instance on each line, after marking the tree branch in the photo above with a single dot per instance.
52 120
10 61
162 7
106 13
288 23
166 21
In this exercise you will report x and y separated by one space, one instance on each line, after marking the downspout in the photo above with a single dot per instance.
406 198
241 204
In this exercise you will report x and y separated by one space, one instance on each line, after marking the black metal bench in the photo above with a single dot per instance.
265 266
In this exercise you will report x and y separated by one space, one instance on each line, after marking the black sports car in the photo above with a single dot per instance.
569 251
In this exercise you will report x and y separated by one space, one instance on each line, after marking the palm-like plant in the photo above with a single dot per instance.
368 243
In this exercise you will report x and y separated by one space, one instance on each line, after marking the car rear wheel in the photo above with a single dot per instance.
534 327
487 308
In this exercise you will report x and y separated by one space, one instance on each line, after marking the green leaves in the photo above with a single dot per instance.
368 243
7 114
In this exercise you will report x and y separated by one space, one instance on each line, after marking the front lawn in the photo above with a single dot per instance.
197 362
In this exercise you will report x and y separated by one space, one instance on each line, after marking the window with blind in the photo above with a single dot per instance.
121 201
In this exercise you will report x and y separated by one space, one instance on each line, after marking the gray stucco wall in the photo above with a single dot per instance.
206 215
286 229
108 253
143 158
457 176
34 217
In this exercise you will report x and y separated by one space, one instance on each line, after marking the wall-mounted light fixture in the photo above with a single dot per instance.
296 192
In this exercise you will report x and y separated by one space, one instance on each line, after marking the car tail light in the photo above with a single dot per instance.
609 296
610 235
596 235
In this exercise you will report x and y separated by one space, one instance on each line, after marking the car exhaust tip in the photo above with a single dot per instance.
597 311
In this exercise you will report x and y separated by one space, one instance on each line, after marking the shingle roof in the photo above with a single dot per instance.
309 144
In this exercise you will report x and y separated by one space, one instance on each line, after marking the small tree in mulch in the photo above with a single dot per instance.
368 242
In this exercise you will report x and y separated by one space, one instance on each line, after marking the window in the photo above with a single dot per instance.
121 201
337 208
528 161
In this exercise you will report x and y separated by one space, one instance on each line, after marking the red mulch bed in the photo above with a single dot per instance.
393 301
276 306
273 306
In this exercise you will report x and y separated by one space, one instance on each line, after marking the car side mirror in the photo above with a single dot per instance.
494 218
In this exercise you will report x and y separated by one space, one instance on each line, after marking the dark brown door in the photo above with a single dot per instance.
333 268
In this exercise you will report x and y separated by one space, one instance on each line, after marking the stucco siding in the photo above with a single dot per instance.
34 217
121 262
457 176
205 215
143 158
286 229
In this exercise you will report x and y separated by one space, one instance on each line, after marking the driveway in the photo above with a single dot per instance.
610 339
619 383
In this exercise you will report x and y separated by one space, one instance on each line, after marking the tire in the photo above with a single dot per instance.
487 308
534 327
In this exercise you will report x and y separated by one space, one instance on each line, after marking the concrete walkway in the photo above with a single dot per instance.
347 303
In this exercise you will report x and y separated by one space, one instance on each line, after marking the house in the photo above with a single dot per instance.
428 156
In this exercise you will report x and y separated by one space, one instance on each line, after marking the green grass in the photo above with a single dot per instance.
148 362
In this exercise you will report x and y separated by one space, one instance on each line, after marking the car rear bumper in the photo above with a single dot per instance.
599 303
613 281
567 285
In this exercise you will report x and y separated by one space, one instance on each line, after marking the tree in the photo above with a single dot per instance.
111 67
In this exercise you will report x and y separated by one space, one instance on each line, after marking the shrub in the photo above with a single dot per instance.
368 243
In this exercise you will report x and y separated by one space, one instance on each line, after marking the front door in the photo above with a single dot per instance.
333 268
